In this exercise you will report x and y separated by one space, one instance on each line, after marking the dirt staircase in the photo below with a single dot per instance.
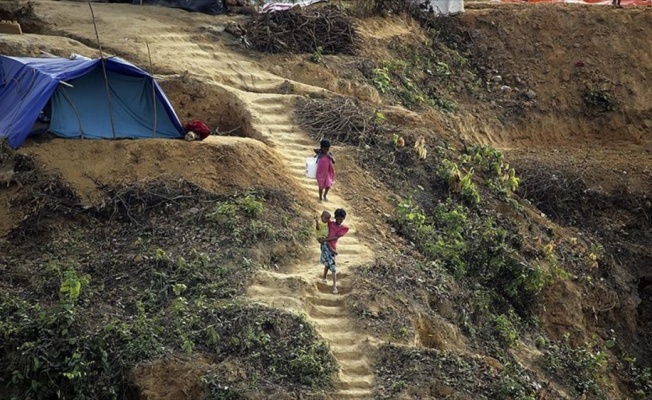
301 290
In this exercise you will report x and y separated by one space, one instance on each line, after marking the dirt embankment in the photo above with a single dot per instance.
583 70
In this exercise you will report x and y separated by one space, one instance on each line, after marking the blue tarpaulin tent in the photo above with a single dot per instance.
80 107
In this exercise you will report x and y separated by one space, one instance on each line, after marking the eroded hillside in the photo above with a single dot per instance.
511 261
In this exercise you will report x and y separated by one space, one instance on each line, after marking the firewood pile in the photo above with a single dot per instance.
320 30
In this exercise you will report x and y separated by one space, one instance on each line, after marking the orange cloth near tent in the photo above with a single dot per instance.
592 2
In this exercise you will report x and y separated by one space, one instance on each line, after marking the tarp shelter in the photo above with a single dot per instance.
80 106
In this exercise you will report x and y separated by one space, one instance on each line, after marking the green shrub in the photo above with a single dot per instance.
474 248
581 368
599 99
251 205
506 330
491 161
381 80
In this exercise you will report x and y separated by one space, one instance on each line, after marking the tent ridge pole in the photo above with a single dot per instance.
106 77
151 71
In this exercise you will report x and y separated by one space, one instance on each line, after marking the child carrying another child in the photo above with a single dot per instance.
329 242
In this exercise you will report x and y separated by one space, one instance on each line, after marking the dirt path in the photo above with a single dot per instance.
301 290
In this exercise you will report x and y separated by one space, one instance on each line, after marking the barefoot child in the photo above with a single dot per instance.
325 169
329 245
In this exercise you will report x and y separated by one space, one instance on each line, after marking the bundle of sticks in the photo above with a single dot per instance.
323 30
341 119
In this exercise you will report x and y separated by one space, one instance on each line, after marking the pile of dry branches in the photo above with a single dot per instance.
340 119
130 202
48 198
564 195
323 30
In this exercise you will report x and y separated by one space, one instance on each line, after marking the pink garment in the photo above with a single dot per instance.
325 172
335 230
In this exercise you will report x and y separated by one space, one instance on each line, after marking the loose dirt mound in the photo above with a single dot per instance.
219 108
219 164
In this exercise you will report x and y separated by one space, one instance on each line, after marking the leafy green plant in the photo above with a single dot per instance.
395 65
317 55
251 205
223 213
491 161
445 104
51 353
516 384
468 189
582 368
458 181
506 330
379 118
599 98
442 68
72 284
380 79
473 248
639 379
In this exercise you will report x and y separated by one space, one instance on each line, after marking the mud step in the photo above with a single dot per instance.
334 301
342 355
356 367
326 312
283 302
355 394
272 99
356 382
341 338
331 325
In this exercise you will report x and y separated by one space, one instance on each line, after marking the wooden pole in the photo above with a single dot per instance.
106 77
151 71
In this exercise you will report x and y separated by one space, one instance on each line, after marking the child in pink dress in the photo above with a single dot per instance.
325 169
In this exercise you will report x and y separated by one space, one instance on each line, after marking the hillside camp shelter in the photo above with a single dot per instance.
74 95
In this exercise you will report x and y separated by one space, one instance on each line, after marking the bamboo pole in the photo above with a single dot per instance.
106 77
151 71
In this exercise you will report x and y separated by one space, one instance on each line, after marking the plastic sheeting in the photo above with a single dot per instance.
28 84
284 6
212 7
447 7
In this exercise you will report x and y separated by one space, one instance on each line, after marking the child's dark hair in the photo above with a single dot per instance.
340 213
325 144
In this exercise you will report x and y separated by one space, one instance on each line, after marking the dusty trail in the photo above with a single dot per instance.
301 290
